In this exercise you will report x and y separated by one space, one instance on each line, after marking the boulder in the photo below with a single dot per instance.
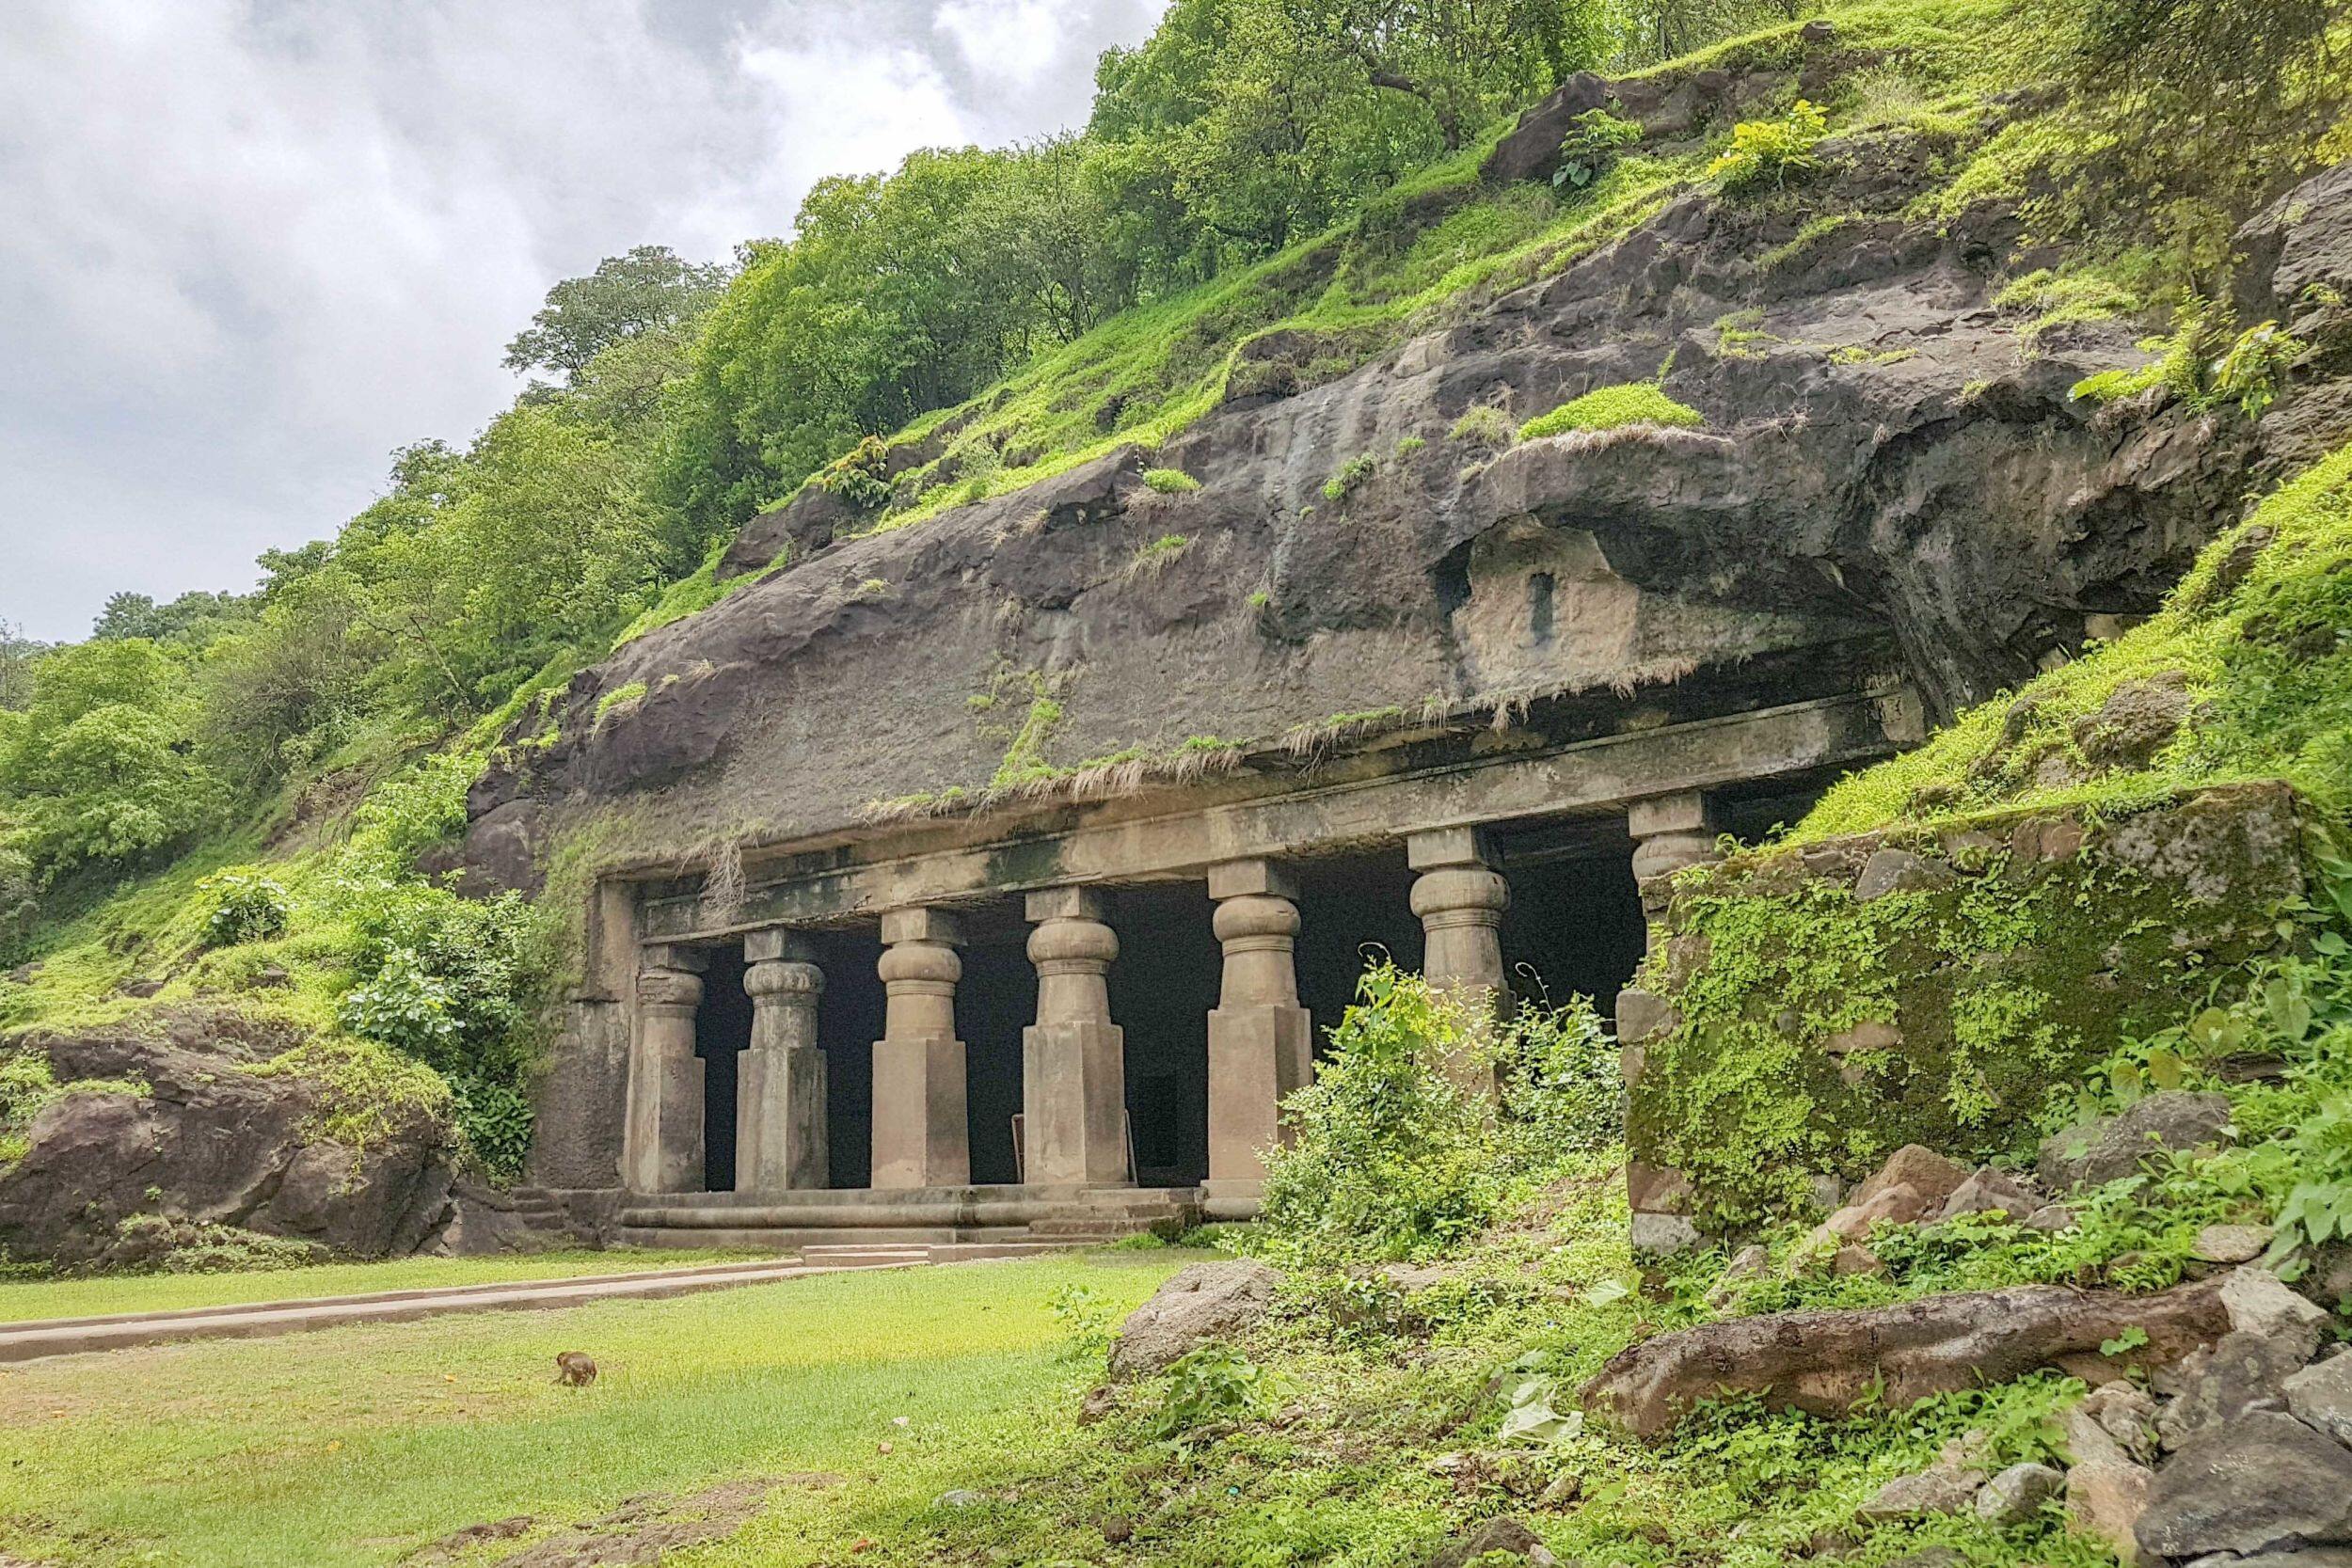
1496 1535
1932 1178
1898 871
2106 1500
1823 1362
2263 1482
2321 1395
1937 1489
2017 1494
2114 1145
2258 1302
2232 1243
2217 1385
1990 1191
211 1144
1204 1301
2115 1423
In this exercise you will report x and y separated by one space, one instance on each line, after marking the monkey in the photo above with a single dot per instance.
573 1370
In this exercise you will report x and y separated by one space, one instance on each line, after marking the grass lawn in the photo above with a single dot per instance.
21 1300
358 1445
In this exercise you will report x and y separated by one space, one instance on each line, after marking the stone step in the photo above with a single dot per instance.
798 1240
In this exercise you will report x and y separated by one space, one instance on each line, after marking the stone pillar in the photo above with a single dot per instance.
780 1086
1671 833
1260 1041
921 1137
664 1138
1074 1068
1460 898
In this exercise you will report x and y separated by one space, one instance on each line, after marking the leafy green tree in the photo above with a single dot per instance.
648 290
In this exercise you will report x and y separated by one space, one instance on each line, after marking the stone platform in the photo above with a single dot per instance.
953 1218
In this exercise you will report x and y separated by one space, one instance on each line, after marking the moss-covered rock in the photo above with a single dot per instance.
1824 1003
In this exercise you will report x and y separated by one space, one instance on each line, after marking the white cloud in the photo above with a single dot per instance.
249 247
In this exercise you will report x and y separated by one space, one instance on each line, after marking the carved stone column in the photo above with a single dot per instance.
921 1136
780 1087
664 1138
1260 1041
1460 899
1073 1072
1671 833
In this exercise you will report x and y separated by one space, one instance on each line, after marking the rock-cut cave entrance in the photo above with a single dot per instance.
1161 989
722 1029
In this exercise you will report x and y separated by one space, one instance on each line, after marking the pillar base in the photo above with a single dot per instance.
678 1124
1233 1199
781 1137
1257 1056
921 1138
1075 1105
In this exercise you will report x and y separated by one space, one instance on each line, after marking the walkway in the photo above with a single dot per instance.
23 1341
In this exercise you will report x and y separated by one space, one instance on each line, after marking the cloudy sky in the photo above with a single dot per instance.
250 246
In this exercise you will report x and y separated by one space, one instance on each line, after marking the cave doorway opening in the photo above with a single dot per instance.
722 1030
848 1022
1161 987
1574 926
1352 910
995 1001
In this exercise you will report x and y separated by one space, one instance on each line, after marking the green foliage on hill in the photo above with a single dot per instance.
1613 408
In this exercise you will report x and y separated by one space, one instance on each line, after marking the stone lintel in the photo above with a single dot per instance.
1251 878
1067 903
1440 846
1582 777
921 925
1686 811
771 943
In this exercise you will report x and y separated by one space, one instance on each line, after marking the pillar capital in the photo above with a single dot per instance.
921 924
1066 903
777 942
1671 833
784 978
668 989
1065 945
1262 878
1433 847
1460 895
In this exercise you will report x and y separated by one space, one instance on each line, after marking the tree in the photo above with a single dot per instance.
648 290
18 654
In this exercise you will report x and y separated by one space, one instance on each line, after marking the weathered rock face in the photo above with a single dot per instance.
1884 480
213 1143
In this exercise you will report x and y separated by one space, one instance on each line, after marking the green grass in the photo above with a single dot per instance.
103 1295
357 1446
1613 408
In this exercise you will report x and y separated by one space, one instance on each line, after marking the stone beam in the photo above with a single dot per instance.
1584 777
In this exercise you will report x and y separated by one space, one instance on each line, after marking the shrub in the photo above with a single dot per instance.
1170 482
1590 146
1156 557
1394 1158
495 1121
246 905
860 475
1213 1382
1612 408
1349 476
1772 151
1484 423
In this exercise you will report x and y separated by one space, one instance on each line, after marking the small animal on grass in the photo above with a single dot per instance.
573 1370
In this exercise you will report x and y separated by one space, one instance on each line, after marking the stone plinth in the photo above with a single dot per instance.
921 1134
1074 1058
1260 1041
780 1086
664 1143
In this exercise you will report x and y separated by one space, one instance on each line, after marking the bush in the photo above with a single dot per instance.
1170 482
1484 423
1349 476
1613 407
246 907
1589 148
1393 1158
495 1121
1771 149
1213 1382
